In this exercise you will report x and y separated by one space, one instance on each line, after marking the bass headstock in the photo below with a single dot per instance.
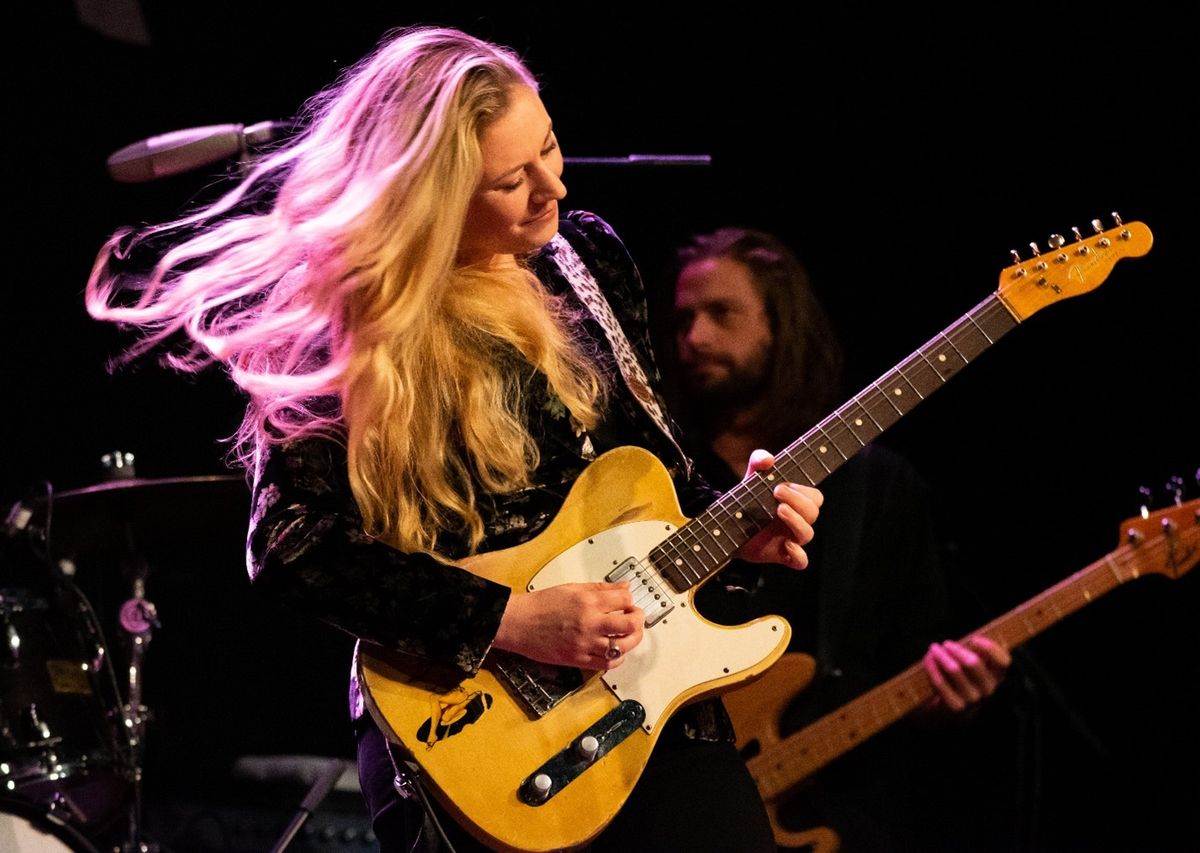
1167 541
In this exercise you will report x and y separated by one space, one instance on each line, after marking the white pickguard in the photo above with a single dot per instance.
678 653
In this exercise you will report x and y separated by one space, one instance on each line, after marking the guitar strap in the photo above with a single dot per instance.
584 284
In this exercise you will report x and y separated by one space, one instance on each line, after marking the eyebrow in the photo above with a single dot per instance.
545 142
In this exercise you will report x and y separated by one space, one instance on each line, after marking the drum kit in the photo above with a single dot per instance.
72 714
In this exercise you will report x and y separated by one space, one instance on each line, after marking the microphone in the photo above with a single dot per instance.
184 150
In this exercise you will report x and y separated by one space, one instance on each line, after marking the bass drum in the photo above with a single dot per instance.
59 742
25 828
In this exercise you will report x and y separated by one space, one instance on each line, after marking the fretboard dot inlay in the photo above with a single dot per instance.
941 357
695 547
898 392
823 449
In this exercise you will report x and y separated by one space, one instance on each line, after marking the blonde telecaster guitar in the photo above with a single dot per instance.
532 757
1164 543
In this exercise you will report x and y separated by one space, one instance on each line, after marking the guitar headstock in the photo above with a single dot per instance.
1069 269
1175 531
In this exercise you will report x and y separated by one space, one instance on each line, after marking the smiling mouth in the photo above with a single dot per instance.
545 214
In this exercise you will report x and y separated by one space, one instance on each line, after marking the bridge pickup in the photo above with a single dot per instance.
649 592
540 786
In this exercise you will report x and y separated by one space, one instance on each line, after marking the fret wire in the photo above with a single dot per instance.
812 454
932 365
872 417
839 430
944 336
979 328
1113 566
959 326
904 376
849 429
678 560
969 324
789 466
719 542
887 397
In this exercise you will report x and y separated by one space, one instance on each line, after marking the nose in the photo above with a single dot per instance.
695 333
549 185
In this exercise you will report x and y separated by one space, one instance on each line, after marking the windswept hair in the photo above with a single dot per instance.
805 377
337 304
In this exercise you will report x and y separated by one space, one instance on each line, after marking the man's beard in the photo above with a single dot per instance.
740 387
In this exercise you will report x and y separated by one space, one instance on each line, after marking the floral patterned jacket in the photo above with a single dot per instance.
307 548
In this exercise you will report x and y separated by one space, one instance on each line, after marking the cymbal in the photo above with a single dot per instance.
141 515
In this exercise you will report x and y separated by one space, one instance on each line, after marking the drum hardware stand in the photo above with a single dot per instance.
138 619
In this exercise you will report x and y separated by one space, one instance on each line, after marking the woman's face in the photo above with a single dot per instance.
515 207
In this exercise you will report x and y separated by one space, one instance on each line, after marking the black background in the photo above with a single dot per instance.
902 160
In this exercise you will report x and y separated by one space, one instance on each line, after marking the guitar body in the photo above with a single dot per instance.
490 744
757 711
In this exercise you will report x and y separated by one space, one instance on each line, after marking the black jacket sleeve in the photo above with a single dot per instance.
307 549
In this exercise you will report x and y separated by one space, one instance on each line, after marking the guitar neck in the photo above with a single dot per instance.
706 543
801 754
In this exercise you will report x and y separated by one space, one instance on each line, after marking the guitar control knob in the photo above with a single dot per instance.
541 786
587 747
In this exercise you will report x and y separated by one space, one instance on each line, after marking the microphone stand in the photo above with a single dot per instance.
192 148
320 788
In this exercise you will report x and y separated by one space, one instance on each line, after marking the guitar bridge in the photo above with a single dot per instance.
537 686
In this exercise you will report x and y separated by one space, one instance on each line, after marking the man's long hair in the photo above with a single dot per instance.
337 304
803 383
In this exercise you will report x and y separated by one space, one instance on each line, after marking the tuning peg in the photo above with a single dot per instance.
1075 231
1034 247
1147 499
1020 271
118 465
1097 226
1116 218
1174 488
1056 241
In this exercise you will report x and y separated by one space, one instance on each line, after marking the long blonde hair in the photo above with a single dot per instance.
346 287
